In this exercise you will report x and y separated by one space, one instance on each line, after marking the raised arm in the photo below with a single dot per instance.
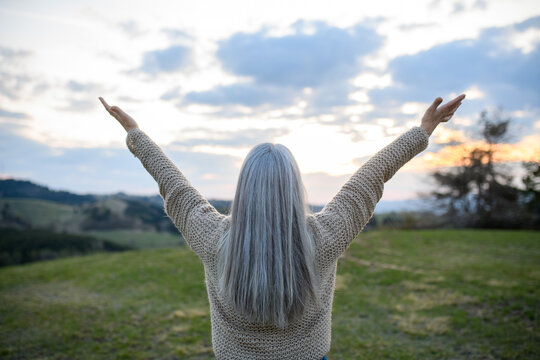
189 211
352 207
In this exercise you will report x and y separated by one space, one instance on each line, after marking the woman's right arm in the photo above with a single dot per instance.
189 211
350 210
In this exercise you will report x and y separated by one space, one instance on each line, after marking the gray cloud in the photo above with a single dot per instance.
131 28
83 87
171 94
407 27
171 59
11 85
7 54
480 4
238 138
82 96
323 58
103 170
508 77
80 105
298 60
533 22
458 7
12 115
249 94
15 79
175 34
129 99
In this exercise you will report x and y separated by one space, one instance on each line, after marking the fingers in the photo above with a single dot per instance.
111 109
450 112
436 103
115 111
118 113
452 106
456 101
107 107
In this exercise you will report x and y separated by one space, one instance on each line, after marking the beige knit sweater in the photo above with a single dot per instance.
334 227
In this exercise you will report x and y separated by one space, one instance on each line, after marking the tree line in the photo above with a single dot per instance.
24 246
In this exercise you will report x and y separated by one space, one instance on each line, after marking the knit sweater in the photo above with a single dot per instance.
333 229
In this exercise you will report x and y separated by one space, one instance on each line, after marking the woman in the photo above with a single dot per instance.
270 265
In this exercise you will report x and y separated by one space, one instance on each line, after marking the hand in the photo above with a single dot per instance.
434 115
124 119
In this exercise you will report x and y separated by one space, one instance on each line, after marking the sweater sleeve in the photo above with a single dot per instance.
352 207
189 211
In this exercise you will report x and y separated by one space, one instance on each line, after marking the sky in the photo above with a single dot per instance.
335 82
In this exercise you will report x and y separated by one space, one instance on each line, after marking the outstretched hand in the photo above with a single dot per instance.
123 118
434 115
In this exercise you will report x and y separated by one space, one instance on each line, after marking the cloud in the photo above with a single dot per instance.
533 22
131 99
235 139
9 54
12 85
81 96
249 94
108 170
407 27
171 94
80 105
298 60
13 79
12 115
131 28
83 87
480 4
171 59
175 34
503 72
315 56
458 7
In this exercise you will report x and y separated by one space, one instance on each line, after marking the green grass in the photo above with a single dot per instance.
139 239
439 294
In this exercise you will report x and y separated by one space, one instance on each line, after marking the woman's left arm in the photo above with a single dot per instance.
353 206
189 211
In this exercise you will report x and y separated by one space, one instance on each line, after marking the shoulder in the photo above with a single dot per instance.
222 226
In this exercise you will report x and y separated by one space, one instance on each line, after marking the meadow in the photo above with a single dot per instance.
426 294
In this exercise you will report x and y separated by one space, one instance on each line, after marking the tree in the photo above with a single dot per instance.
531 193
479 192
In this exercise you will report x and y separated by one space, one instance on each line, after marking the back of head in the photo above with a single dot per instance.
266 259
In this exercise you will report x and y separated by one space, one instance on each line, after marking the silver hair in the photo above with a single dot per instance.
266 258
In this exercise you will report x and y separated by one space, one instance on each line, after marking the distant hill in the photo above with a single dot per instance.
25 189
27 205
12 188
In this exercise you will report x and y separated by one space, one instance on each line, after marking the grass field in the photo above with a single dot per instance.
440 294
140 239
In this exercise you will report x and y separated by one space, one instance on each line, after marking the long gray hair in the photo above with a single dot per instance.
266 258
